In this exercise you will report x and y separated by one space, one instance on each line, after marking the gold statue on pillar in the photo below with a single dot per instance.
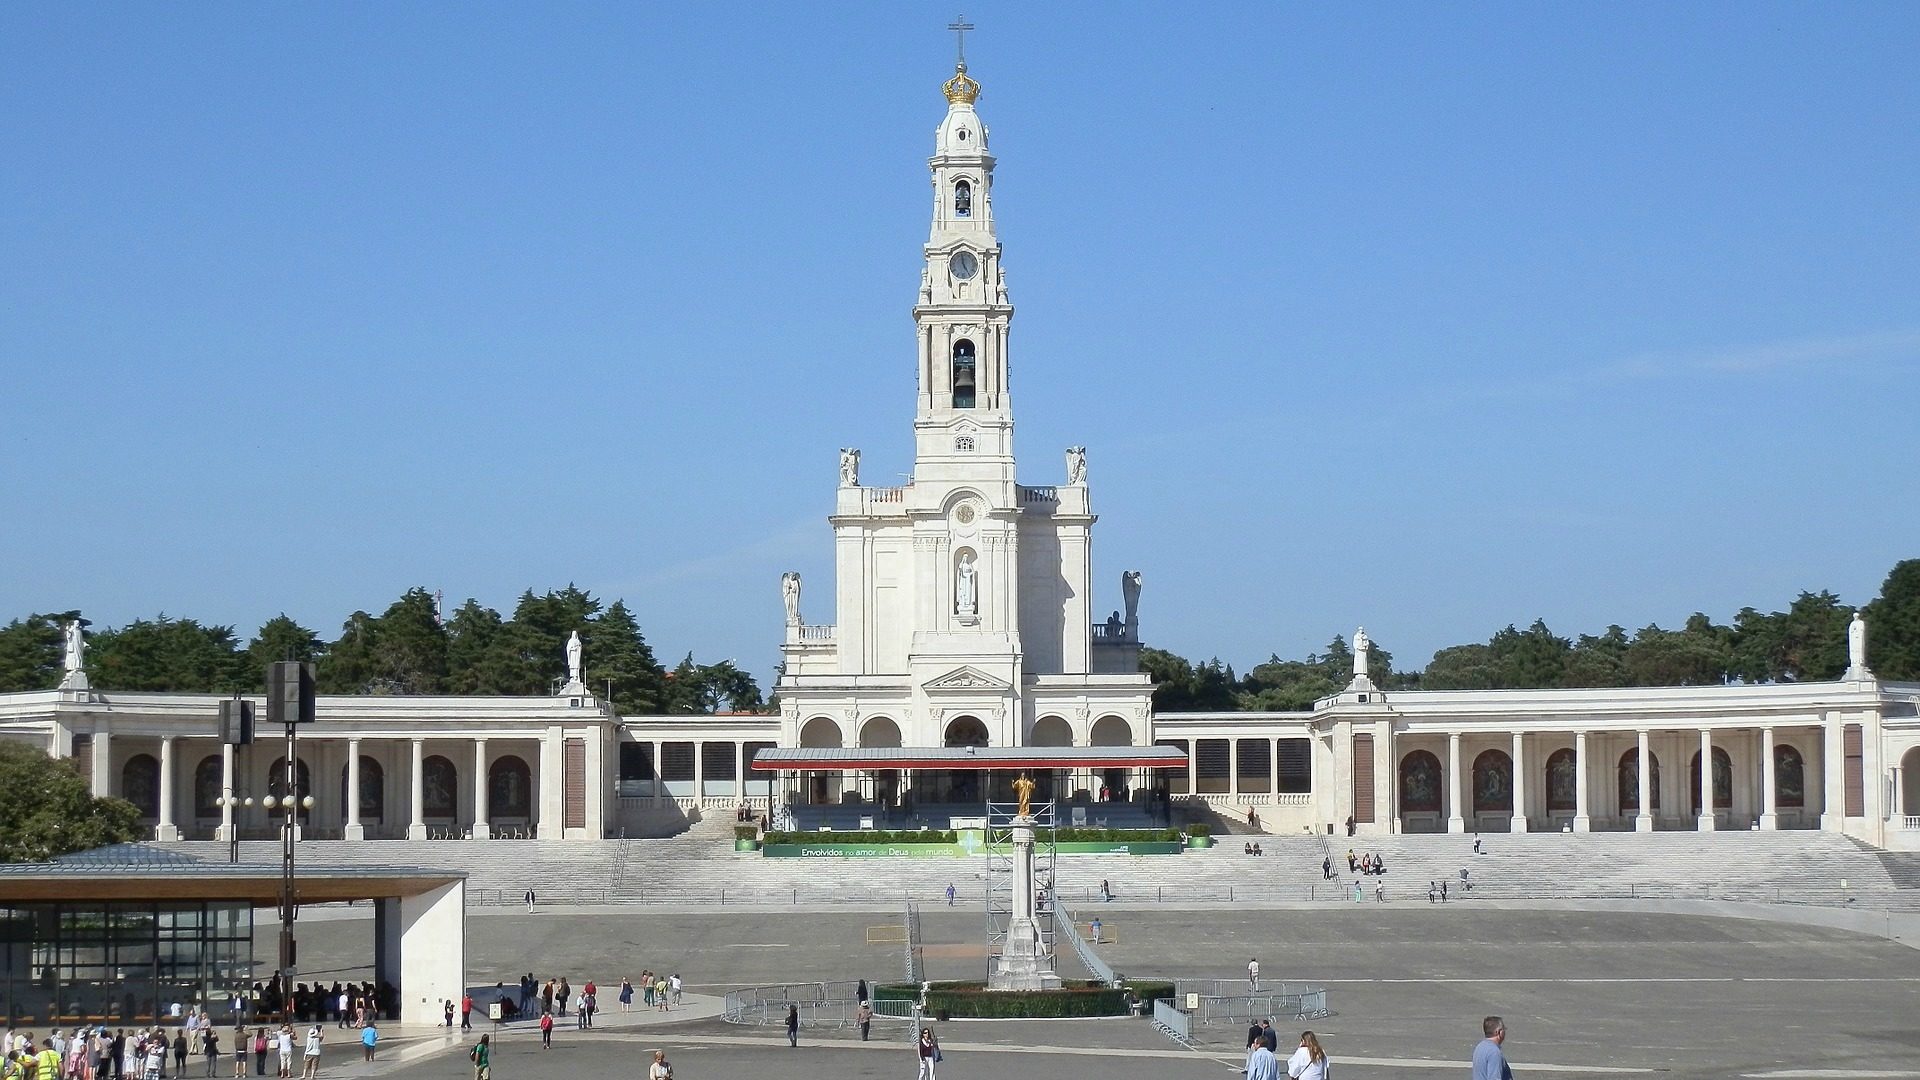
1023 787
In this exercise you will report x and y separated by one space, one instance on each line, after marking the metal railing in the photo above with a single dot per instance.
820 1005
913 964
1098 967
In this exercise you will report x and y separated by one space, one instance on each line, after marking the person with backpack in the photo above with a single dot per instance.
482 1057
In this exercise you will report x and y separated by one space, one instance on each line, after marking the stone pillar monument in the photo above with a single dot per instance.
1024 964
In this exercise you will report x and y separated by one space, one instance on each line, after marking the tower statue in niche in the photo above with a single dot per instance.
966 587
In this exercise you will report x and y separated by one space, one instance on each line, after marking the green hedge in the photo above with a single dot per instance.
1106 836
870 836
746 832
973 999
1199 828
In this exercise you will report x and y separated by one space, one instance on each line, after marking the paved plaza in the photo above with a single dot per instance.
1585 993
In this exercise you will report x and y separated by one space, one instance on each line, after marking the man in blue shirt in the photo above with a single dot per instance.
1261 1064
1489 1060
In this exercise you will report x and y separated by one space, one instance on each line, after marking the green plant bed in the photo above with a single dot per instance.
866 836
744 843
974 1000
1106 836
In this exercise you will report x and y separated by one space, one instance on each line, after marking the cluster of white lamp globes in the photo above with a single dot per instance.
267 802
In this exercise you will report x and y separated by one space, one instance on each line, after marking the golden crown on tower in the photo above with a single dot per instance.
961 90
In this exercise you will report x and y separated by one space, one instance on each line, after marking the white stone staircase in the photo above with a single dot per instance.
1785 867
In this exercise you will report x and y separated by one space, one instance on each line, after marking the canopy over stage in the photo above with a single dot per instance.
965 758
205 907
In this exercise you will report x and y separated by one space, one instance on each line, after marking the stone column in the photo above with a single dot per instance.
700 773
740 770
1833 785
1386 813
1519 822
226 792
659 776
102 779
416 802
166 829
1706 780
1643 819
353 829
552 803
1769 811
1893 797
1456 822
482 828
1582 822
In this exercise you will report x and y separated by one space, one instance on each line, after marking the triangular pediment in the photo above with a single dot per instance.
966 678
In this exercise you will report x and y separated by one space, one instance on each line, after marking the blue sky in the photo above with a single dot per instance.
1431 318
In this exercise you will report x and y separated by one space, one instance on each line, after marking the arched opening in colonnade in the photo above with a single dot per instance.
140 784
509 791
1420 793
881 731
1112 730
1562 775
1493 783
1722 781
439 791
1629 782
821 733
1910 783
963 785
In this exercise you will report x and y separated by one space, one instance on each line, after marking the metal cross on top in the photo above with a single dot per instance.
960 26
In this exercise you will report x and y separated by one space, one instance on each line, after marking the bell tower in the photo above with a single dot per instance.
963 424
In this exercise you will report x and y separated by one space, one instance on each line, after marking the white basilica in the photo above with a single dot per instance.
965 616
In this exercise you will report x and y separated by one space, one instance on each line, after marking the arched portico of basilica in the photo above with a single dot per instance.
966 615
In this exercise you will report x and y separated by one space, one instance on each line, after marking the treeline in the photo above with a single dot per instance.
1806 642
408 649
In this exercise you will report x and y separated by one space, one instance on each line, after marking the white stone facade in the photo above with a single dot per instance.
964 599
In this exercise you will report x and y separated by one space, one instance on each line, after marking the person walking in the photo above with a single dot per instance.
546 1031
661 1069
929 1049
1379 892
950 894
1095 927
1309 1061
675 986
210 1046
466 1012
446 1013
260 1051
793 1025
310 1060
1253 974
239 1053
530 901
180 1051
1106 891
482 1057
1490 1057
1326 868
863 1016
1261 1064
561 995
626 994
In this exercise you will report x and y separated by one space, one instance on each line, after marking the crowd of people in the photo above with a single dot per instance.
150 1053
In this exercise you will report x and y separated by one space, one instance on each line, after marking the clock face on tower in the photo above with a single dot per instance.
963 265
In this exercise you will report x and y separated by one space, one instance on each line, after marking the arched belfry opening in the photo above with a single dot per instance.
962 199
963 374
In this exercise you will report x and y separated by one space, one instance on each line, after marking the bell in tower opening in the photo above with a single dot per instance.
963 374
962 199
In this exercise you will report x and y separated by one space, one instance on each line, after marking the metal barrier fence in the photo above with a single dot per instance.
1224 1001
1397 891
1065 921
820 1005
1177 1025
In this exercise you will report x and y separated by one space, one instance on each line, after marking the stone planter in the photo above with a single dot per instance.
1199 841
741 844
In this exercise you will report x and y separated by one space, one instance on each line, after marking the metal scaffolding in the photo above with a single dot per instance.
1000 891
